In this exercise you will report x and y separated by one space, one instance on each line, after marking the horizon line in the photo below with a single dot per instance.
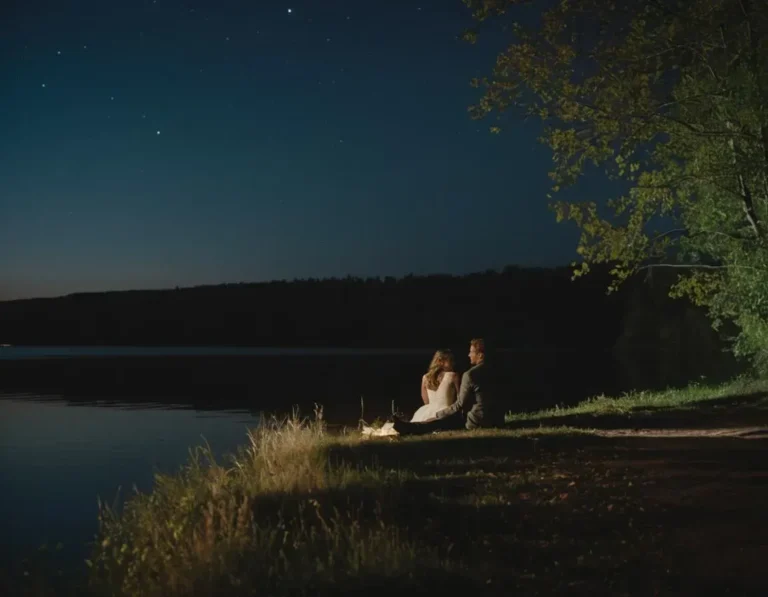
292 280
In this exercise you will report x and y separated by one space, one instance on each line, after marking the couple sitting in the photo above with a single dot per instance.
449 404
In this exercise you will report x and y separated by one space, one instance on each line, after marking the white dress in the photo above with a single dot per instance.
442 397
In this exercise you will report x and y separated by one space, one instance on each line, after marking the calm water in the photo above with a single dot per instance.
81 422
56 458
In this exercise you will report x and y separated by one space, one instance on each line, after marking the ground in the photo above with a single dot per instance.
633 515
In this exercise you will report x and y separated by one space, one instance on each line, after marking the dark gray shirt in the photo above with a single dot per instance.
476 398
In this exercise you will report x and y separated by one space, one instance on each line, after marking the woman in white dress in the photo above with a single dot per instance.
439 386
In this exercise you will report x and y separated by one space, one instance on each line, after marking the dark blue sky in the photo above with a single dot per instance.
154 144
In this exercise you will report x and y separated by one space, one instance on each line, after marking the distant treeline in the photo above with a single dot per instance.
517 307
654 340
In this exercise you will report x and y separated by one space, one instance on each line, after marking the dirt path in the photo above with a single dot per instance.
735 432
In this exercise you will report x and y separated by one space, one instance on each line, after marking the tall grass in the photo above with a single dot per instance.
267 523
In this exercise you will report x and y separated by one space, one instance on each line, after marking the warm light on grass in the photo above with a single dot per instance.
265 524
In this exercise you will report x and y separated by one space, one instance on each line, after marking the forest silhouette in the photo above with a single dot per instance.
519 307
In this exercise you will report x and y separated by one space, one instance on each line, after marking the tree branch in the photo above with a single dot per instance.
745 191
700 266
668 233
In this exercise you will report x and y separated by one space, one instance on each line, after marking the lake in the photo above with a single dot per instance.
80 422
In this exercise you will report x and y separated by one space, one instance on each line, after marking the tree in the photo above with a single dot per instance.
670 96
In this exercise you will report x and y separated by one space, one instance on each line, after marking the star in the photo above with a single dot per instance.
290 10
157 133
58 53
43 85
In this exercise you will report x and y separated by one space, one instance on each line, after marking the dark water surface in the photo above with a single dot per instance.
79 422
15 353
56 458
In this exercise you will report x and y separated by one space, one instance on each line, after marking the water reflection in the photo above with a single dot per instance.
56 456
39 352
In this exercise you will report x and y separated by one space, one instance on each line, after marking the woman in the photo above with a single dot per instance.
439 386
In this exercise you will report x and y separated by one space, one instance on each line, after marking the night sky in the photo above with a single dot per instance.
152 144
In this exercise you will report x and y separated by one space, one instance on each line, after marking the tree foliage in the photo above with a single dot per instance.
670 96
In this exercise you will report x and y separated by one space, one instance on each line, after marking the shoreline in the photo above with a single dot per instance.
530 508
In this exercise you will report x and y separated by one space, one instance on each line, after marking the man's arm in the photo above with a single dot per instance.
464 401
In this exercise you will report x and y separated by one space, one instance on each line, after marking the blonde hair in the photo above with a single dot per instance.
441 363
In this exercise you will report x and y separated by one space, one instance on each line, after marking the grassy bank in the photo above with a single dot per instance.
740 396
529 509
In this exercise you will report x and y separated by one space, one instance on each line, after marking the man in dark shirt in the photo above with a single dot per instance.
475 406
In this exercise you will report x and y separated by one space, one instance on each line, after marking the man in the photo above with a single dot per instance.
475 406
